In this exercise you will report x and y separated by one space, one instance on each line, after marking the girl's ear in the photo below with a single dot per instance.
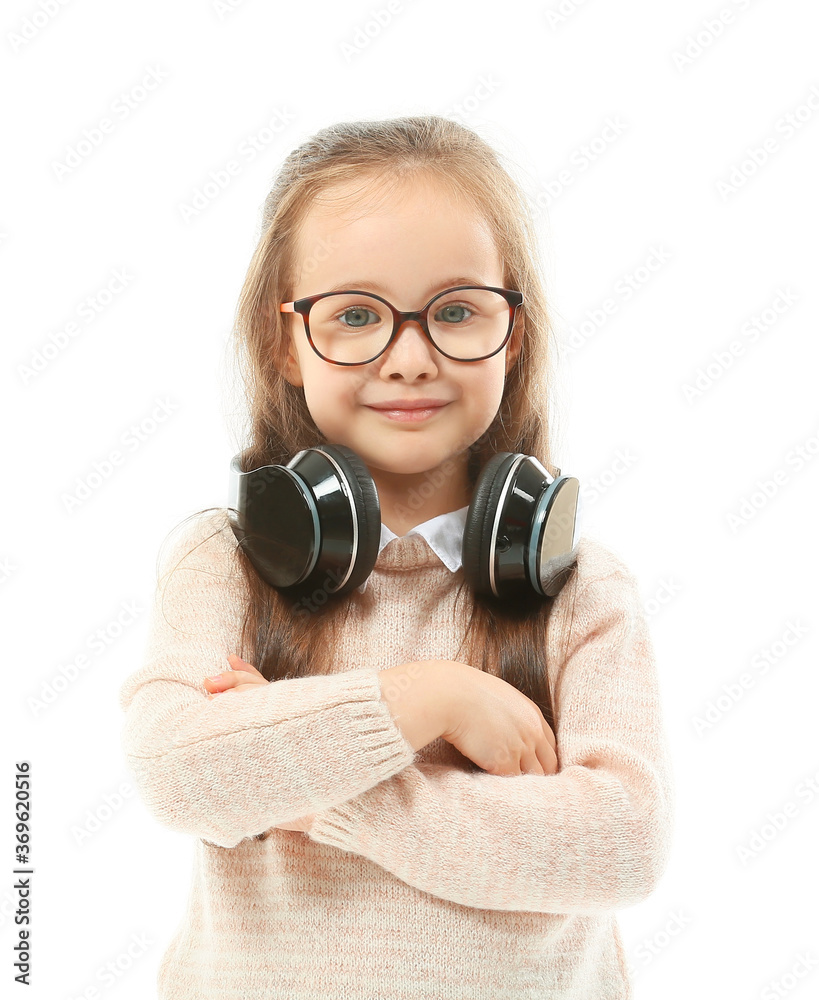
514 346
292 370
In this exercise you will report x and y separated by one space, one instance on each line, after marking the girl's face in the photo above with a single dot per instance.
406 246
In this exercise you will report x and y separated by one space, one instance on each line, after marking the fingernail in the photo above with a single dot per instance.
216 677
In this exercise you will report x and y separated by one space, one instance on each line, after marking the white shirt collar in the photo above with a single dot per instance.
444 534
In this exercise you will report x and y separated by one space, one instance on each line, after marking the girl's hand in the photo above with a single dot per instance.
498 727
242 677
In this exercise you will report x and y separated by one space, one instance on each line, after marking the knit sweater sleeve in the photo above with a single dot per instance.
231 767
594 836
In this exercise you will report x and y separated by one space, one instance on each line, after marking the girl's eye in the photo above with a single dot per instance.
452 313
358 316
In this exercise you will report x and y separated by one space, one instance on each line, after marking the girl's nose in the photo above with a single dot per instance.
410 352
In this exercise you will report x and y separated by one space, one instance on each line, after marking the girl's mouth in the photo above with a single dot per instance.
409 416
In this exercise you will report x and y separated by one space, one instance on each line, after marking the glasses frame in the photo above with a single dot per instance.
514 299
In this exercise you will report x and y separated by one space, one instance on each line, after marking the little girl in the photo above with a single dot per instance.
414 789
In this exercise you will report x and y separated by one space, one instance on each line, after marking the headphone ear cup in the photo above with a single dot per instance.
477 540
367 512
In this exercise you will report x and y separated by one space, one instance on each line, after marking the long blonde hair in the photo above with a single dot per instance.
507 640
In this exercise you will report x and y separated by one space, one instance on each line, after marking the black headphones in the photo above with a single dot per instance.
315 524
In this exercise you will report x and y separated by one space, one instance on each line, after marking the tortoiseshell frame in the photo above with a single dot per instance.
302 306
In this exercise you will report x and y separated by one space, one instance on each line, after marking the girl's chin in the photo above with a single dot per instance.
407 457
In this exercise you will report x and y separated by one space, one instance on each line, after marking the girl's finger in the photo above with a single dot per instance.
224 681
237 663
239 679
221 683
236 688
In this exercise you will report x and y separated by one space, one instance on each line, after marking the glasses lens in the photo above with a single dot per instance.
350 328
465 324
469 323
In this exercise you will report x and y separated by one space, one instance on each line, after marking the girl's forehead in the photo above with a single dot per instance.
349 226
353 199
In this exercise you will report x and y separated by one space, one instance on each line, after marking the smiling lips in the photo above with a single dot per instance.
409 409
409 404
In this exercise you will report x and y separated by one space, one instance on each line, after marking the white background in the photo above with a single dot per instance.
736 908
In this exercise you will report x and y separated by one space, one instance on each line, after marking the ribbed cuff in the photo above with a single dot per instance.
338 825
390 753
387 749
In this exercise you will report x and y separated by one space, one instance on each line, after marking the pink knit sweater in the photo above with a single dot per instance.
419 877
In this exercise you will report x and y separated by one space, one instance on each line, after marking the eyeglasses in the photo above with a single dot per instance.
470 323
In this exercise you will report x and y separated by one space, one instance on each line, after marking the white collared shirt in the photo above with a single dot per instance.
444 533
